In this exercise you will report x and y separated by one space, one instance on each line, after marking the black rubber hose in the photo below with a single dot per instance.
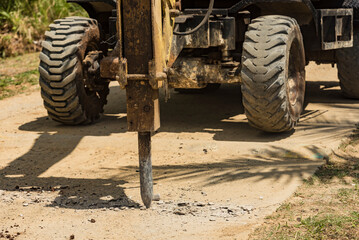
205 19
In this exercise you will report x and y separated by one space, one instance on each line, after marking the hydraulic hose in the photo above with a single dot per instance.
205 19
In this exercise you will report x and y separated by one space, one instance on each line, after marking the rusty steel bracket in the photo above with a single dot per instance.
142 106
156 78
109 67
115 68
336 28
91 69
121 76
178 44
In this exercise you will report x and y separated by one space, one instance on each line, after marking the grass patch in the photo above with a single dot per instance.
349 195
331 226
25 77
18 75
23 22
326 206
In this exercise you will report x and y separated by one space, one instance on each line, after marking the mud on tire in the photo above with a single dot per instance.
63 89
348 65
273 72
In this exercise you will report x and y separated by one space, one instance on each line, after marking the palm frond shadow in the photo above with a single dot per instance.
183 114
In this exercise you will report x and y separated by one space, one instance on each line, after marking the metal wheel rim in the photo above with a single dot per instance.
294 81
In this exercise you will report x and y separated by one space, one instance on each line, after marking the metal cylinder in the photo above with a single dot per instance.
146 180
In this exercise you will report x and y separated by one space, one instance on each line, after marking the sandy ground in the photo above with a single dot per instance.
216 176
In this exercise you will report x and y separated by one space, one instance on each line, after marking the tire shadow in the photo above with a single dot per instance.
219 113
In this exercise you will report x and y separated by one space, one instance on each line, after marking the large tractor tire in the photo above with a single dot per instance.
66 96
273 72
348 68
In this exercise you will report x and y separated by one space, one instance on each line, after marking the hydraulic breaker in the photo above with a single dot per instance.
145 31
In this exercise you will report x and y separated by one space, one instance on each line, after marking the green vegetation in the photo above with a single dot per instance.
20 82
18 74
326 206
22 26
23 22
324 226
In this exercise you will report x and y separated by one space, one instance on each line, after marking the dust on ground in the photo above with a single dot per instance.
217 178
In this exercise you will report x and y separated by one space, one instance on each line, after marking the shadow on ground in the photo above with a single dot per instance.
220 113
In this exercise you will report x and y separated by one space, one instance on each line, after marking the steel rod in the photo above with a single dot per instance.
146 180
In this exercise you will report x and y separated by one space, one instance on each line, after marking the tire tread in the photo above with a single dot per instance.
58 69
263 70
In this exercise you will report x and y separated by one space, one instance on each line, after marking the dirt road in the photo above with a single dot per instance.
216 176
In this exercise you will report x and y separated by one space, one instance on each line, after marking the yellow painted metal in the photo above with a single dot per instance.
167 26
119 28
162 33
